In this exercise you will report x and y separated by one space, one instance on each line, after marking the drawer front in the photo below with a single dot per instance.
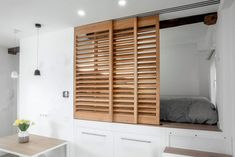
132 145
93 143
217 144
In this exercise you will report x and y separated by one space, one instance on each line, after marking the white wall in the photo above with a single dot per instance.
227 57
232 13
41 96
184 70
8 96
41 101
8 92
233 73
184 66
226 67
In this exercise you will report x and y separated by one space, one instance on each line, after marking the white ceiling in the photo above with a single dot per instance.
59 14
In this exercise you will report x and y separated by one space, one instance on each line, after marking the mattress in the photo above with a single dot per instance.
198 110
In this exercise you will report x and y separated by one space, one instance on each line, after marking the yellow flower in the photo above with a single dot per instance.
17 122
22 121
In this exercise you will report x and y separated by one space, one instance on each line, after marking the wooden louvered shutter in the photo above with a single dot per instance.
117 73
148 70
123 73
92 71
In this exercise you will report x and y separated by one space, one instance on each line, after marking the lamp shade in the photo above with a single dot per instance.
37 72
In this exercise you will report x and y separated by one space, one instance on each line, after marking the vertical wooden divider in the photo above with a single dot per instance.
148 69
75 73
111 71
158 69
123 71
135 71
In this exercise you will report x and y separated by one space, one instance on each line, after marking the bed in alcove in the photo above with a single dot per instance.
188 78
195 110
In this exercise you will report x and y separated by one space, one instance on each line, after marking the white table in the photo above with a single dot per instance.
37 145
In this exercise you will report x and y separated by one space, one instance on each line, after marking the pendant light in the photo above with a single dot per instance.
37 71
14 74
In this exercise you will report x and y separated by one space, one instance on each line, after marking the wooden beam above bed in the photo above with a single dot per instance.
208 19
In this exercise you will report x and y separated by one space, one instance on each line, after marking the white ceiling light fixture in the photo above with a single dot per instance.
122 3
81 13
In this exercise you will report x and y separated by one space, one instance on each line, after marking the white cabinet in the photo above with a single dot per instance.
135 145
100 139
90 142
93 143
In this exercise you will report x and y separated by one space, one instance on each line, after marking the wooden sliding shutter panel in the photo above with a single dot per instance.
92 71
123 73
117 71
148 70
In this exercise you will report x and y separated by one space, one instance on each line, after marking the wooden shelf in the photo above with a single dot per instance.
191 126
192 153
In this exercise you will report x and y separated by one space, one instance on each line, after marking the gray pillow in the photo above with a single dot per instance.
175 110
189 110
203 112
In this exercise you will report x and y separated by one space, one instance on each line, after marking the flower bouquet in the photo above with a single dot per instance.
23 126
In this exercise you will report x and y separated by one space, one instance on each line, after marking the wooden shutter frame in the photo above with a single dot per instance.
111 26
150 21
124 28
87 32
111 71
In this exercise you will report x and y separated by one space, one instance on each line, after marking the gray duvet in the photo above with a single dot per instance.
188 110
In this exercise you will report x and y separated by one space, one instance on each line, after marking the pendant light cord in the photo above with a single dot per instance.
37 45
15 38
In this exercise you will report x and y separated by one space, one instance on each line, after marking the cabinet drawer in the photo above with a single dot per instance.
132 145
93 143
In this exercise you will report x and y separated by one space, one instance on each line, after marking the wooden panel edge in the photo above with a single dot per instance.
111 71
123 23
90 28
96 116
135 71
147 21
158 69
74 74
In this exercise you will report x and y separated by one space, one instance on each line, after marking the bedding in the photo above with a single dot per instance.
197 110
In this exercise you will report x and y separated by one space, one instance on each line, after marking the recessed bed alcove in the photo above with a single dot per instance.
119 65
